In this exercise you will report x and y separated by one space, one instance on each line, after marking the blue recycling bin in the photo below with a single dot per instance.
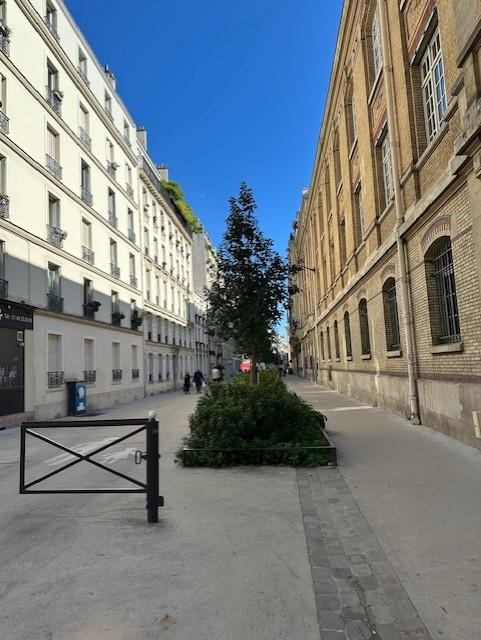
77 397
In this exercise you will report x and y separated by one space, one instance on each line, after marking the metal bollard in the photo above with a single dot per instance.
153 498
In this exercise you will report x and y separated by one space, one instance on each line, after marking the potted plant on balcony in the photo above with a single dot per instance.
136 319
114 166
6 31
58 94
93 305
118 316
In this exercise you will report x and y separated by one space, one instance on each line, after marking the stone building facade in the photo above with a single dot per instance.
388 236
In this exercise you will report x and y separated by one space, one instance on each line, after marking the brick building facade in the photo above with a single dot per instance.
388 236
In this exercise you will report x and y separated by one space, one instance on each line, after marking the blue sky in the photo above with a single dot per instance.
228 91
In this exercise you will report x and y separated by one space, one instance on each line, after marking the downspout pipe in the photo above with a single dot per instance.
401 252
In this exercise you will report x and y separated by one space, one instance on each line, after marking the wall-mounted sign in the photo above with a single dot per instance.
14 316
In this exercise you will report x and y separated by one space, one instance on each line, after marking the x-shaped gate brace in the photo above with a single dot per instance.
150 487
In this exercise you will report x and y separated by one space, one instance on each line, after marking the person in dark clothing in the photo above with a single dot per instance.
198 380
187 383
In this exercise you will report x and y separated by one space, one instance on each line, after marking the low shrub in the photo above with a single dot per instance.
241 423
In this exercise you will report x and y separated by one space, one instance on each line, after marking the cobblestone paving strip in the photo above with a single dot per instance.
358 594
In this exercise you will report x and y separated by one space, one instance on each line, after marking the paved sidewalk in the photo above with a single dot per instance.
419 495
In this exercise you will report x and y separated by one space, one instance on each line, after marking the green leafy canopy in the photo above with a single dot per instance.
178 195
245 302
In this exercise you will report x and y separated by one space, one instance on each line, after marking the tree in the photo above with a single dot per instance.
245 302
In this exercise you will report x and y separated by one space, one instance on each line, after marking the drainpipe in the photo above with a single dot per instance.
401 254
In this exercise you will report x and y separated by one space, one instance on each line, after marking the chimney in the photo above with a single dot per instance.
110 77
163 171
142 136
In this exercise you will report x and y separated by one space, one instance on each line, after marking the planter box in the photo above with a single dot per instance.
297 455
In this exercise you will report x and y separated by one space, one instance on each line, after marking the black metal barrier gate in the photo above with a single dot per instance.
150 487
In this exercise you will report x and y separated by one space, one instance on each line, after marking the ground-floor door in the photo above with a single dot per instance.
11 371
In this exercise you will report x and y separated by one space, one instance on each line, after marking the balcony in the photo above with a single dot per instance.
83 74
3 289
4 44
54 379
117 318
85 138
54 303
135 374
90 376
116 375
55 236
130 191
133 281
53 167
114 221
54 98
4 123
86 195
114 270
88 255
4 206
51 27
131 235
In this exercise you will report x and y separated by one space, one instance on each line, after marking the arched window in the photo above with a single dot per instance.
347 334
328 337
364 327
336 340
323 351
391 318
441 286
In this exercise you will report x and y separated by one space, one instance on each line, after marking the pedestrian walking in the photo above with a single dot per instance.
198 380
187 383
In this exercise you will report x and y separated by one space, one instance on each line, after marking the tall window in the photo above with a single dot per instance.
376 44
108 105
359 220
342 240
114 268
133 277
51 17
53 211
441 286
433 87
135 361
364 328
3 106
3 12
53 153
351 114
323 350
328 338
386 162
126 132
336 340
116 370
85 192
146 241
88 292
3 188
53 279
82 65
148 282
112 207
89 364
54 364
337 159
87 253
347 335
3 282
391 319
130 225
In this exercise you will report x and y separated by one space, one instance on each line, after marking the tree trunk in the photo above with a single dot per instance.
253 369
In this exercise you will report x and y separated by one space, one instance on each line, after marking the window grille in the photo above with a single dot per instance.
347 334
364 326
391 318
443 299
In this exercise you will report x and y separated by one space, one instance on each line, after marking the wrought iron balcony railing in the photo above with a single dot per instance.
135 374
88 255
54 99
90 376
4 44
86 195
83 74
114 270
54 303
55 378
131 235
113 219
133 281
4 122
51 28
55 235
116 375
85 138
4 206
53 167
3 289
